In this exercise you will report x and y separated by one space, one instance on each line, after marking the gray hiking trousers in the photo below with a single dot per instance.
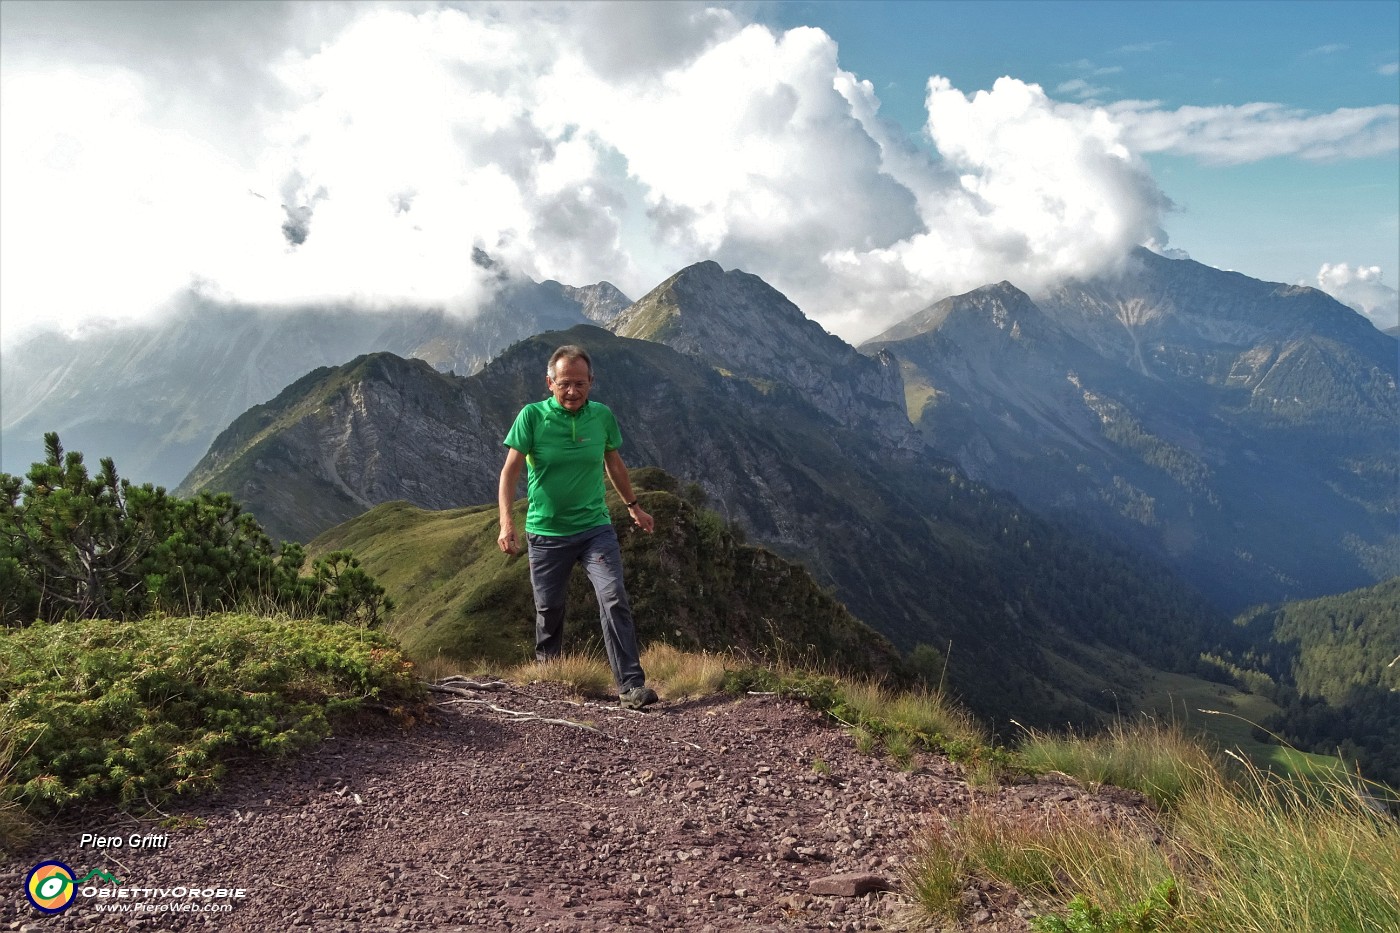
552 560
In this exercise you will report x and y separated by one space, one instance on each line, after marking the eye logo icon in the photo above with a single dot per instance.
50 887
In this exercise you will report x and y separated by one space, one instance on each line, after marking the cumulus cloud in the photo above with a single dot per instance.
363 153
1361 289
1028 189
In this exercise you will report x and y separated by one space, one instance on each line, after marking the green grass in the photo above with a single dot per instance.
1182 700
459 597
918 391
1156 759
679 675
1236 849
901 723
586 675
1048 859
1268 854
1228 716
15 825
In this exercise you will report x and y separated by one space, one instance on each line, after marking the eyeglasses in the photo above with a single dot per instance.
566 386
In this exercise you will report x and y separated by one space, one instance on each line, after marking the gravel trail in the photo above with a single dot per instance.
523 809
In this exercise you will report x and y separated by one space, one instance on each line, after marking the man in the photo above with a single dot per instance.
569 442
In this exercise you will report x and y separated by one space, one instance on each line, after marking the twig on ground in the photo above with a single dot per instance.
521 716
460 686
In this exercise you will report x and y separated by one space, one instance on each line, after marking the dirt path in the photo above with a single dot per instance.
717 814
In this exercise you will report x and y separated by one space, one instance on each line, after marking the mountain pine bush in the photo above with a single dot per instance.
75 545
132 711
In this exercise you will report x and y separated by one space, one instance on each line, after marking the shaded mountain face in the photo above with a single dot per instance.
737 323
153 398
1241 431
911 547
1286 353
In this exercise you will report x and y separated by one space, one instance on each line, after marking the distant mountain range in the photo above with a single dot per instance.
1246 433
154 397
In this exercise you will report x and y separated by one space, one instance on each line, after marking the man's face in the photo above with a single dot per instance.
570 383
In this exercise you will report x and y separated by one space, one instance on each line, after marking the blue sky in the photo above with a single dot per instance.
867 159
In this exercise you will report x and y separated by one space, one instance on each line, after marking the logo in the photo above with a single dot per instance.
50 887
99 873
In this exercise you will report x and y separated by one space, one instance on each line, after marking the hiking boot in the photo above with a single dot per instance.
638 697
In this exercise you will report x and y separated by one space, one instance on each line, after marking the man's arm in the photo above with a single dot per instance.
505 498
617 472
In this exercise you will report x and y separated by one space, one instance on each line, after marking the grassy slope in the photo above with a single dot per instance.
1182 699
692 584
1333 661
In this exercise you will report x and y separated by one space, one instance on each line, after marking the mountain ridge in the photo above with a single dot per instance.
1106 407
808 444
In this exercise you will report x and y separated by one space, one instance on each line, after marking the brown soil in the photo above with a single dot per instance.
706 815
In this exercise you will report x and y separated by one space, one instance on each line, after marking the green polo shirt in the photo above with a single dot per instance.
564 451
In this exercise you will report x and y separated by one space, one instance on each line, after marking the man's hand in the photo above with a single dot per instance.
617 472
643 518
507 541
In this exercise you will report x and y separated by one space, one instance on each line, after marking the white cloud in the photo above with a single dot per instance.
104 214
1361 289
1086 66
1030 190
358 153
1232 135
1390 69
1078 87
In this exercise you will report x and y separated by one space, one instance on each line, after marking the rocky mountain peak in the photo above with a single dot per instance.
704 303
1001 307
600 303
1149 399
1180 302
740 325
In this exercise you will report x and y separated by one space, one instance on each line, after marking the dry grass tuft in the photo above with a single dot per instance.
677 674
586 675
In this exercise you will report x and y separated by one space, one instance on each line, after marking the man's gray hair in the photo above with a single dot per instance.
569 352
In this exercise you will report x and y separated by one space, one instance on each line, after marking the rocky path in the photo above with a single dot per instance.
523 810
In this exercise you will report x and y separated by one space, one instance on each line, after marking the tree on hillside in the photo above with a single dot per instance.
77 546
